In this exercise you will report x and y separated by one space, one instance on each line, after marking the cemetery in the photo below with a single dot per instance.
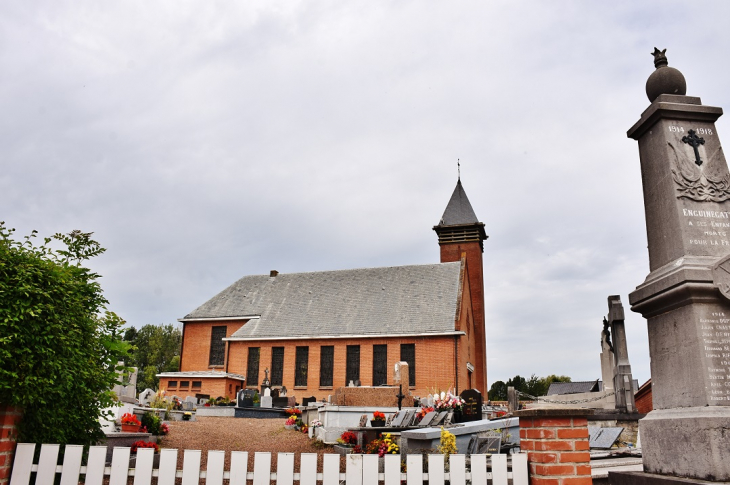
395 432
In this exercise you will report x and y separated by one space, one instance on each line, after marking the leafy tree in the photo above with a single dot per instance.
156 350
58 349
498 391
534 386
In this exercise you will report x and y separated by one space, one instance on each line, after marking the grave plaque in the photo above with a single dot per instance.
245 398
603 438
363 420
687 208
439 419
472 408
427 419
398 418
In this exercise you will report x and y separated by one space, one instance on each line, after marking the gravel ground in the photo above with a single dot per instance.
240 434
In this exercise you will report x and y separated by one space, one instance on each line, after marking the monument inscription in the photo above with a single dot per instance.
715 338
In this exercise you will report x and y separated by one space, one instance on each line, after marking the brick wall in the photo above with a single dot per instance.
556 442
9 418
196 343
434 362
212 386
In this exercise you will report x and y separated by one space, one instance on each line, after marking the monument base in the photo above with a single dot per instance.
687 442
643 478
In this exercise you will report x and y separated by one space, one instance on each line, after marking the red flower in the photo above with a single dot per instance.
144 444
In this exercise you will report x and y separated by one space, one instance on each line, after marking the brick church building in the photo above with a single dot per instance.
315 332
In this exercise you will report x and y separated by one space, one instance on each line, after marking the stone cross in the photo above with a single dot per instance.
694 141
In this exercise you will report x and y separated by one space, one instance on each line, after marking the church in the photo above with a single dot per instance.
314 332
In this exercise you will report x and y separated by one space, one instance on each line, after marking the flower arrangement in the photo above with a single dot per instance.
446 401
293 412
347 438
144 444
130 419
316 424
304 429
378 416
187 415
382 446
164 429
448 443
291 420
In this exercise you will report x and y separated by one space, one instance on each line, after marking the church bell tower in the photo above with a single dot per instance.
461 233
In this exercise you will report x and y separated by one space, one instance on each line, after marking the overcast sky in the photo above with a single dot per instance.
204 141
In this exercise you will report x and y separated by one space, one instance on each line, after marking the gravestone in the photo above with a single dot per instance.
308 400
245 398
188 406
472 407
146 397
685 297
266 400
274 393
401 375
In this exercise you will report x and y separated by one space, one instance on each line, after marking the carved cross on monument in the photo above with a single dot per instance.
694 141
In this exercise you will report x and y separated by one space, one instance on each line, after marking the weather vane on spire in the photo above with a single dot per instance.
458 169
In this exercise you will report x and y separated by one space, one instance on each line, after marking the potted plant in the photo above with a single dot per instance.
130 423
256 400
187 415
378 420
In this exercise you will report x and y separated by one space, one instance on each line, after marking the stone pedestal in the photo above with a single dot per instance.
685 297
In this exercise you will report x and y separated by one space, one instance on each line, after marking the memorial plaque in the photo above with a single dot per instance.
472 408
389 419
363 421
398 419
603 438
439 418
427 419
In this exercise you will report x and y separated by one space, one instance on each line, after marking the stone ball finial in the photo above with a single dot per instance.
665 80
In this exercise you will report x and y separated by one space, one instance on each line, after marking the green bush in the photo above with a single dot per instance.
152 422
58 349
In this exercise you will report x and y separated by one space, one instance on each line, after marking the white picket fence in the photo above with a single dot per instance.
359 469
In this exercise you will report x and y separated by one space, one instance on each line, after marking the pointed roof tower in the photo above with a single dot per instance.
459 222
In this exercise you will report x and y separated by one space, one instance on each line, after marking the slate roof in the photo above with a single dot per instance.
559 388
399 300
458 210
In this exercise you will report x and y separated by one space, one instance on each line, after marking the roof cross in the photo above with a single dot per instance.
694 141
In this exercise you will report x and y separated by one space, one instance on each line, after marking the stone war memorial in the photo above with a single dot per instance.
686 296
